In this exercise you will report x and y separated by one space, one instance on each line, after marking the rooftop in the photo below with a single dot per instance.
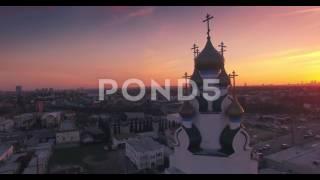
53 114
67 125
144 144
300 155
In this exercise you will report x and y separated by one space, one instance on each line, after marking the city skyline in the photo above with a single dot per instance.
71 47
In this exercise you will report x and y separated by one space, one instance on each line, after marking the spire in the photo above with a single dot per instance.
186 77
235 110
233 77
195 50
208 18
209 58
187 110
222 46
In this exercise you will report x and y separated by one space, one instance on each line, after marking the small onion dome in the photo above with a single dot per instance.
209 58
224 78
187 110
226 140
235 110
194 138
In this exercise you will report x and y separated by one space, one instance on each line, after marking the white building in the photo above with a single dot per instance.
139 122
67 133
6 124
25 121
212 139
145 153
52 119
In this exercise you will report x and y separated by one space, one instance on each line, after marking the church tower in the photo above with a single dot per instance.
211 138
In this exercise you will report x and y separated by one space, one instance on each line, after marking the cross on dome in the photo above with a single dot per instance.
195 50
208 18
222 46
186 77
233 77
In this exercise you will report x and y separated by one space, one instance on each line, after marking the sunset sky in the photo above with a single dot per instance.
71 47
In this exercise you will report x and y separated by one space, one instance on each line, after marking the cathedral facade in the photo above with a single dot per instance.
212 139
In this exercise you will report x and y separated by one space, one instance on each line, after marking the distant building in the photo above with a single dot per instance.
138 122
69 115
67 133
129 122
20 105
91 135
18 91
145 153
6 124
51 120
25 121
39 106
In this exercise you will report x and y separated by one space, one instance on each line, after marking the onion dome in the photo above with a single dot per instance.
235 110
187 110
209 58
226 140
194 138
224 78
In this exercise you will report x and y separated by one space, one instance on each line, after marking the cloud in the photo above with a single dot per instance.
302 11
311 10
299 57
306 55
142 12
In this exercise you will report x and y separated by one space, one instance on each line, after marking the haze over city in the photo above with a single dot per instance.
71 47
248 100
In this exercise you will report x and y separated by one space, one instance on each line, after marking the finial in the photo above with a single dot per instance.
222 46
208 17
233 77
195 50
186 77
